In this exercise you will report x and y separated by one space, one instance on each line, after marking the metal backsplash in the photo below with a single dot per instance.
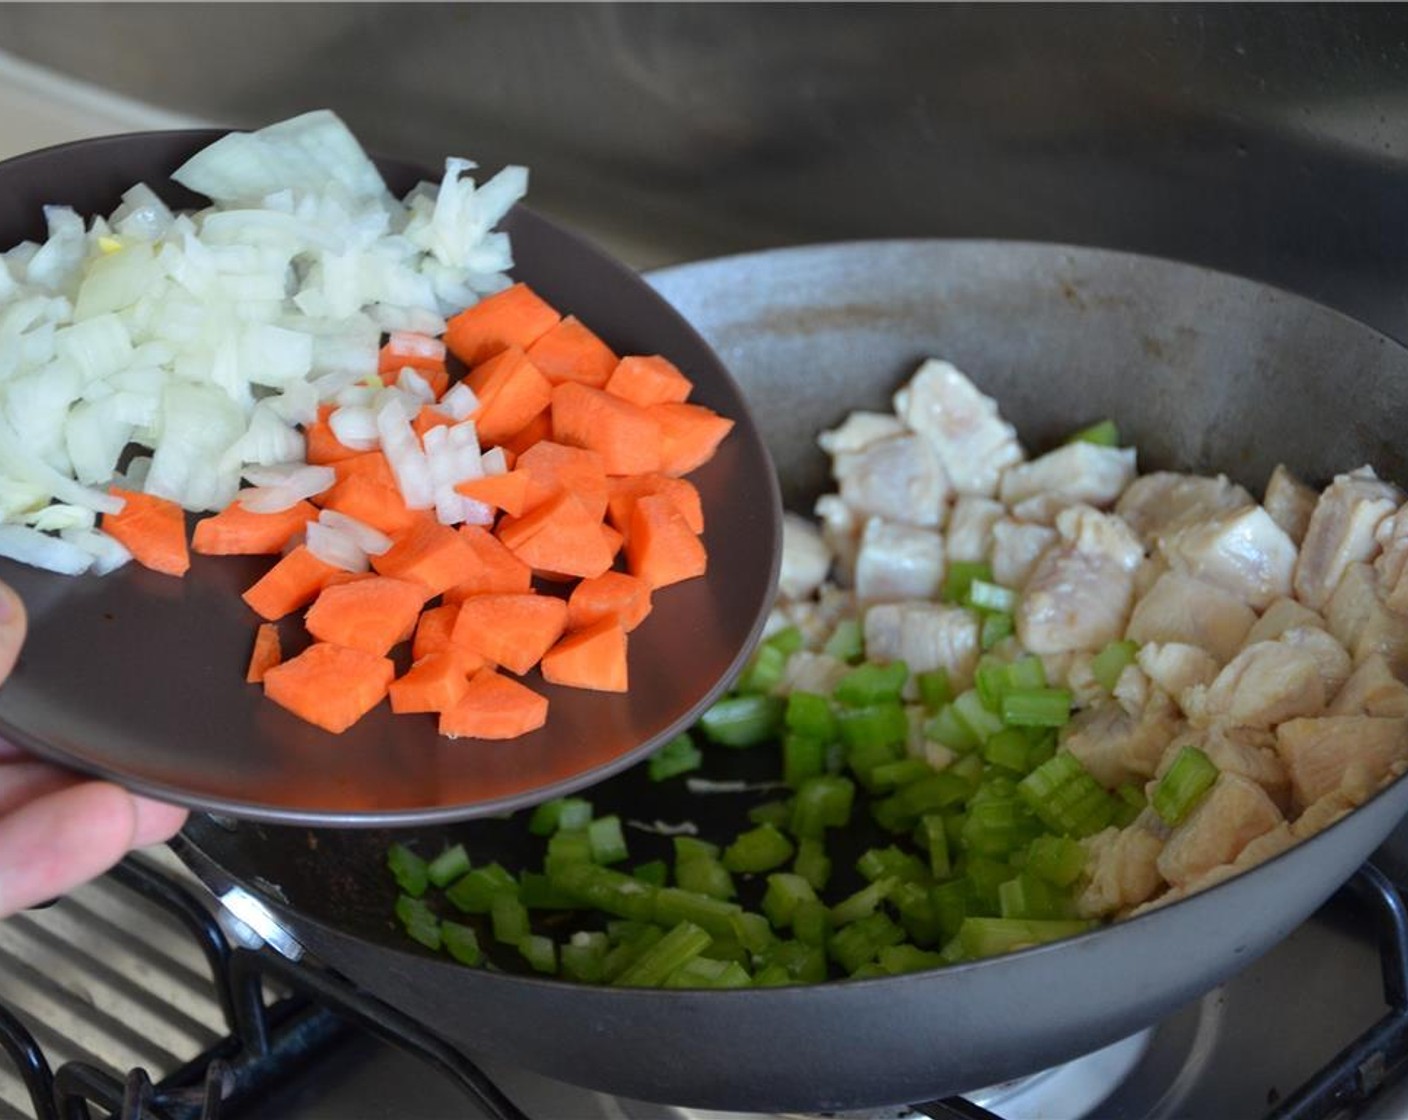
1269 140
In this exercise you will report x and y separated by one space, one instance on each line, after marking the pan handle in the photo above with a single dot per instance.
244 917
953 1108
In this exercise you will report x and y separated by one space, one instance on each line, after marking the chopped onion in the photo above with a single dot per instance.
284 489
40 550
108 552
371 541
355 427
335 547
459 401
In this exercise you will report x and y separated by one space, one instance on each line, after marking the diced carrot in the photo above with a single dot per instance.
516 316
689 435
433 683
429 417
660 547
433 630
267 652
495 570
494 707
374 466
511 393
420 352
331 686
625 435
533 433
614 539
618 596
508 492
430 554
559 537
510 630
374 503
553 468
594 657
292 583
152 529
648 380
371 614
234 531
571 352
322 446
625 491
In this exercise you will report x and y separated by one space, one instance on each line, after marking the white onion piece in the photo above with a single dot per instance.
27 468
107 551
40 550
335 547
459 401
403 452
308 477
355 427
494 461
295 486
371 541
56 518
410 381
411 344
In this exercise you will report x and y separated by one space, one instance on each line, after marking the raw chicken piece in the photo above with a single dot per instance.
1176 667
1280 616
1372 690
1080 593
1121 867
1179 608
1243 552
1392 536
1147 574
1078 675
1360 618
1132 689
900 479
840 531
1261 686
1117 747
1322 814
973 442
808 671
1341 532
1352 754
1241 750
969 531
858 431
1331 657
1263 848
924 636
1075 474
1016 548
1164 501
898 561
806 559
816 617
1233 813
1290 502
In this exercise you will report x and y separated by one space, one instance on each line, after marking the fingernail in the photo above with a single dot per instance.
9 605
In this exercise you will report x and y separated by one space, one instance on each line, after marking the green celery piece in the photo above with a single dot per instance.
871 684
608 844
568 845
629 931
950 731
812 862
802 758
727 947
448 866
863 902
984 595
743 721
1131 802
822 802
985 877
918 914
811 923
940 790
622 956
1103 433
857 944
1183 785
656 872
764 672
474 893
1027 896
776 813
701 972
806 964
996 628
788 640
752 931
604 889
1037 707
1057 859
774 975
691 847
673 905
583 961
1110 662
418 920
960 576
987 937
1026 672
1009 749
864 757
897 959
509 918
679 756
935 689
461 942
705 876
535 891
681 944
891 862
561 812
759 849
1066 798
847 641
785 892
934 839
891 775
999 826
951 902
809 714
540 953
412 874
990 681
970 711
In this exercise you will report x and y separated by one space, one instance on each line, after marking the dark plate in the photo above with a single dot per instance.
139 677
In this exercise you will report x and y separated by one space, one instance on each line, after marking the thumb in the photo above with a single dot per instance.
12 628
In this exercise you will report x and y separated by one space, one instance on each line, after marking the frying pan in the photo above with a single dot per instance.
1201 371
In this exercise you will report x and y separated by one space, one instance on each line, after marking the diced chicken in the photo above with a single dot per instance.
1080 593
1372 690
1179 608
1243 552
1392 537
969 530
1263 848
1117 747
1078 676
1330 657
816 617
1342 532
1016 548
1365 623
1352 754
1290 502
924 636
898 561
1320 815
1234 812
1241 750
973 442
858 431
809 671
806 559
1280 616
1261 686
900 479
1132 689
1075 474
1121 868
1147 574
840 531
1176 667
1164 501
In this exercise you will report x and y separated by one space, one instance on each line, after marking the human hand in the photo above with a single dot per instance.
59 829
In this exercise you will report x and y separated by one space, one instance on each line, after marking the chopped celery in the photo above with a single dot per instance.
1057 859
999 826
705 876
858 943
680 945
890 862
802 757
583 957
918 914
864 758
996 628
759 849
1026 673
970 711
1009 749
672 905
535 891
960 576
933 837
563 812
872 684
1026 896
656 872
419 921
812 863
821 803
540 953
625 953
789 640
1110 662
951 904
946 728
568 846
1062 793
990 682
891 775
474 893
461 942
448 866
509 918
408 869
1103 433
743 721
784 893
863 902
985 596
764 672
608 844
935 689
987 937
678 756
611 891
897 959
847 641
806 964
809 714
1037 707
753 931
1183 785
691 847
701 972
775 813
940 790
774 975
